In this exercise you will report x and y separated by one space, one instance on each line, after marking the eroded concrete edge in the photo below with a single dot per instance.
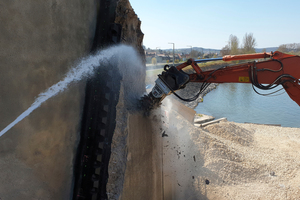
143 176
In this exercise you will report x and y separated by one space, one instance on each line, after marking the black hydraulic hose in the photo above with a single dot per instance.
271 70
254 80
278 81
203 87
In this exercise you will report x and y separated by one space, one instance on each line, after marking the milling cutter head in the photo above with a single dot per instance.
149 102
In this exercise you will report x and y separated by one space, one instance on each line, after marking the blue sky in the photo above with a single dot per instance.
209 23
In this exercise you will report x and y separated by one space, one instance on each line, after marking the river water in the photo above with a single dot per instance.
239 103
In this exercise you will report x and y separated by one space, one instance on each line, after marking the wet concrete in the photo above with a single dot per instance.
40 41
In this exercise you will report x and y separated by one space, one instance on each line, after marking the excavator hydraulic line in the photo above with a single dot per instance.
277 69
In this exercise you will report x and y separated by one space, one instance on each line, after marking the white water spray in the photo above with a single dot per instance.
84 69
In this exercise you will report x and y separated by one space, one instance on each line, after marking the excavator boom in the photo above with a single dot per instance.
278 69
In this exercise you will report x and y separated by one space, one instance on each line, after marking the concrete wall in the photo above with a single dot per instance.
39 42
135 168
143 177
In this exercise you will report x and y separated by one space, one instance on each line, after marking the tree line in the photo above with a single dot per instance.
233 47
248 46
293 48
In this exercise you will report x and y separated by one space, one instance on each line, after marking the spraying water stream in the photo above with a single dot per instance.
83 69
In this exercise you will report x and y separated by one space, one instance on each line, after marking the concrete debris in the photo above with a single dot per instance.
213 122
164 134
207 182
201 118
272 173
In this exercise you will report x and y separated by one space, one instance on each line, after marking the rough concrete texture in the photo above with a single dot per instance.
135 163
143 177
40 41
135 167
131 26
132 71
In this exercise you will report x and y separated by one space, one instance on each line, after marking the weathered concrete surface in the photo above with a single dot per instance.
143 177
39 42
135 169
131 26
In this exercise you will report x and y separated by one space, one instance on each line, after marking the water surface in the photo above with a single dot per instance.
239 103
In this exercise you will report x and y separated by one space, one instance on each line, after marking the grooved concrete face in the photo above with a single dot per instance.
143 177
40 41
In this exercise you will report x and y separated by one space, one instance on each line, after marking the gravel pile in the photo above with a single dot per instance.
250 161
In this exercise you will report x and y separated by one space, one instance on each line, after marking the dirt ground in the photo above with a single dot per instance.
255 161
230 160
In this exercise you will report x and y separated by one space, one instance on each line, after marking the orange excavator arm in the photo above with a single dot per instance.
278 69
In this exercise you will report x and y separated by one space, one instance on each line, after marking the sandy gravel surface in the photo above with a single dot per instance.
249 161
229 160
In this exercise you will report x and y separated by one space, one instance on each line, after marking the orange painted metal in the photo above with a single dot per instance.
246 56
275 55
193 64
266 72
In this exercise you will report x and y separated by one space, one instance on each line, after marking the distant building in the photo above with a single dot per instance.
164 57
